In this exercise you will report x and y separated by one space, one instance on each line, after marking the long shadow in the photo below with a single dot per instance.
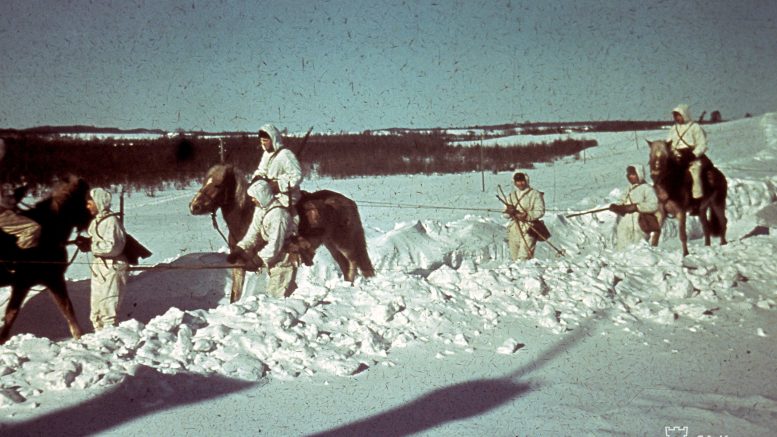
148 294
145 393
459 401
455 402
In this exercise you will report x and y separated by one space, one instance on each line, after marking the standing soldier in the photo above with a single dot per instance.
524 205
639 198
271 224
110 270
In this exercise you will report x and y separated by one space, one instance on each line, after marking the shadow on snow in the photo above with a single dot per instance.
147 392
149 294
460 401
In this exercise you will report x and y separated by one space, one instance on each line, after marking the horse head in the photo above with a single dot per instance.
222 188
659 158
63 210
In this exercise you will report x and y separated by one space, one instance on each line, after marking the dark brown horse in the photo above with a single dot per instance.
672 182
46 263
326 217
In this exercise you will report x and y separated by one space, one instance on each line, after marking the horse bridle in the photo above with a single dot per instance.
215 207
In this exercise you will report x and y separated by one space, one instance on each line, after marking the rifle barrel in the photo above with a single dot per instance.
587 212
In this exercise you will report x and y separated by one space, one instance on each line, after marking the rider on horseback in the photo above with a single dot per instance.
688 141
25 230
280 167
275 190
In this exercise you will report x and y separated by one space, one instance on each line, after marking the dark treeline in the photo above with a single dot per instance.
417 153
148 163
136 164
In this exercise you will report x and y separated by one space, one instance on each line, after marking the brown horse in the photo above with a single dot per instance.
45 264
326 217
673 188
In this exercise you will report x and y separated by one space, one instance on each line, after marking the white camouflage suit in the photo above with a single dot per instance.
280 165
531 201
109 267
641 194
271 223
689 135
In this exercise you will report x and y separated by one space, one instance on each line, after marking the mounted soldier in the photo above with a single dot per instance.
24 229
280 167
275 190
688 143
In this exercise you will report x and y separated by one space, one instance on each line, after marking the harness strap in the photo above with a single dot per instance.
681 136
216 226
97 231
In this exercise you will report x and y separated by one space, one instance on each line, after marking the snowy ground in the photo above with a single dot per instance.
450 337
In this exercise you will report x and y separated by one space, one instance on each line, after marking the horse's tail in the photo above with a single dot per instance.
717 221
364 262
362 256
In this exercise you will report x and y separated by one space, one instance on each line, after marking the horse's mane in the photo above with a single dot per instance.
241 188
224 171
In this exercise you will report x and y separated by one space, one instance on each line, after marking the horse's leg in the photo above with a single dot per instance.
705 223
238 278
719 209
18 293
347 265
657 234
683 234
655 237
58 290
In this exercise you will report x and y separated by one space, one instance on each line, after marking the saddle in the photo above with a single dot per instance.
707 174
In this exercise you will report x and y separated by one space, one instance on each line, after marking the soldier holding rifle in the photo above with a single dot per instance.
524 205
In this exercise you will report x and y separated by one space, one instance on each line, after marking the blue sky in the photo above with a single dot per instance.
355 65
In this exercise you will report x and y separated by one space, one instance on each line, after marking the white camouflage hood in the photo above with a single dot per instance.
683 110
640 172
275 136
101 198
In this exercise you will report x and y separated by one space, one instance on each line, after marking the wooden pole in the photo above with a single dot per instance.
482 169
121 205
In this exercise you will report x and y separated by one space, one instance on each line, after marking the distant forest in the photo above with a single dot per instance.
38 159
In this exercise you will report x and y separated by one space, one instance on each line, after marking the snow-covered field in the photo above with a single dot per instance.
450 337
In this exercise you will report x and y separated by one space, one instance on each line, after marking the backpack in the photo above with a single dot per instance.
133 249
539 231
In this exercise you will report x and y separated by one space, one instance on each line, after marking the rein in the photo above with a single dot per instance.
213 215
216 226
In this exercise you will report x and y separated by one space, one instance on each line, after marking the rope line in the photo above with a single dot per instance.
380 204
152 267
377 204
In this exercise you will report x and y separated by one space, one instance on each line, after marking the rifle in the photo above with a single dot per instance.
592 211
503 199
303 144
